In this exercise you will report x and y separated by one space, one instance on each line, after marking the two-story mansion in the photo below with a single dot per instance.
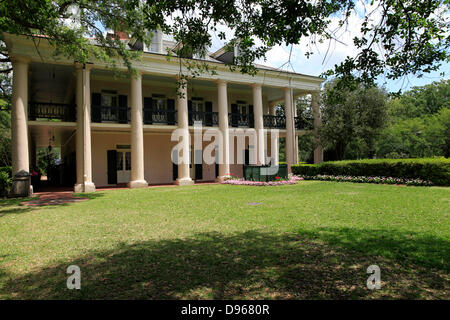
117 130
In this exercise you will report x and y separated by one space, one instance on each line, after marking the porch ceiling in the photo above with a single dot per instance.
50 82
45 134
272 93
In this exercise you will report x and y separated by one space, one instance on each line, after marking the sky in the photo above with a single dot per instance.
316 65
326 55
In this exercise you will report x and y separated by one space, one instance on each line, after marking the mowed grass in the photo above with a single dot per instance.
313 240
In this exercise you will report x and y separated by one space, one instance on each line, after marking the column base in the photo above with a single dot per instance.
184 182
84 187
21 185
137 184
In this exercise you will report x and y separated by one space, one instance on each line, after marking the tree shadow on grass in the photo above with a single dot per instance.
16 205
12 206
249 265
402 247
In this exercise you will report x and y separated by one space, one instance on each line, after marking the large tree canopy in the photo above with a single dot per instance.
397 37
352 124
419 123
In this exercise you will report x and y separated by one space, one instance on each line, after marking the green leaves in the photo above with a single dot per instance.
409 37
352 117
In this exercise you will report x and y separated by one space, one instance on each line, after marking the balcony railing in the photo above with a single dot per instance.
274 122
208 119
168 117
303 124
241 120
51 111
67 112
110 114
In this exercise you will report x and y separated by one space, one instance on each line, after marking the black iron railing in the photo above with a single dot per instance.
303 124
241 120
274 122
168 117
51 111
110 114
208 119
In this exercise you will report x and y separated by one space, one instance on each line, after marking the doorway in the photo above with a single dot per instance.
123 166
119 164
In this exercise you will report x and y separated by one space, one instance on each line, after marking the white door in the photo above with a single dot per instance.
123 166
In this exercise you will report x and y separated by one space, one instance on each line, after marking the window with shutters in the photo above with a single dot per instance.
160 102
197 105
242 107
109 102
109 98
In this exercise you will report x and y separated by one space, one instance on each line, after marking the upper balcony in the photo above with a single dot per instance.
51 111
47 111
53 91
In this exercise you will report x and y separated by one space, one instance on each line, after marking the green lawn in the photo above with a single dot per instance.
312 240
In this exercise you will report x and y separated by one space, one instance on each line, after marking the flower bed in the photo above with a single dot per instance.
277 182
364 179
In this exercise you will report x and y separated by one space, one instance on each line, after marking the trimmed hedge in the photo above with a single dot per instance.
436 170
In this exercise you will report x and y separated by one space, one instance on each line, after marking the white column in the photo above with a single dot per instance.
274 148
224 149
318 151
85 118
137 133
19 117
184 177
79 133
259 124
290 130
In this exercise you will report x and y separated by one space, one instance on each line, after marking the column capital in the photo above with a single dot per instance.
255 85
83 66
221 82
136 74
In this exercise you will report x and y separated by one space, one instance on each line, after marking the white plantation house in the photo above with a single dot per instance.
117 130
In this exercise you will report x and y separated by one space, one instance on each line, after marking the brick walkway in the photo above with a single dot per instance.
53 198
58 196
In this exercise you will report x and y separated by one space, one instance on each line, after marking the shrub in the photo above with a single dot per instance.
5 183
7 170
436 170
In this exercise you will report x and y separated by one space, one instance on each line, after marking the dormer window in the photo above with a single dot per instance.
237 50
228 53
156 39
